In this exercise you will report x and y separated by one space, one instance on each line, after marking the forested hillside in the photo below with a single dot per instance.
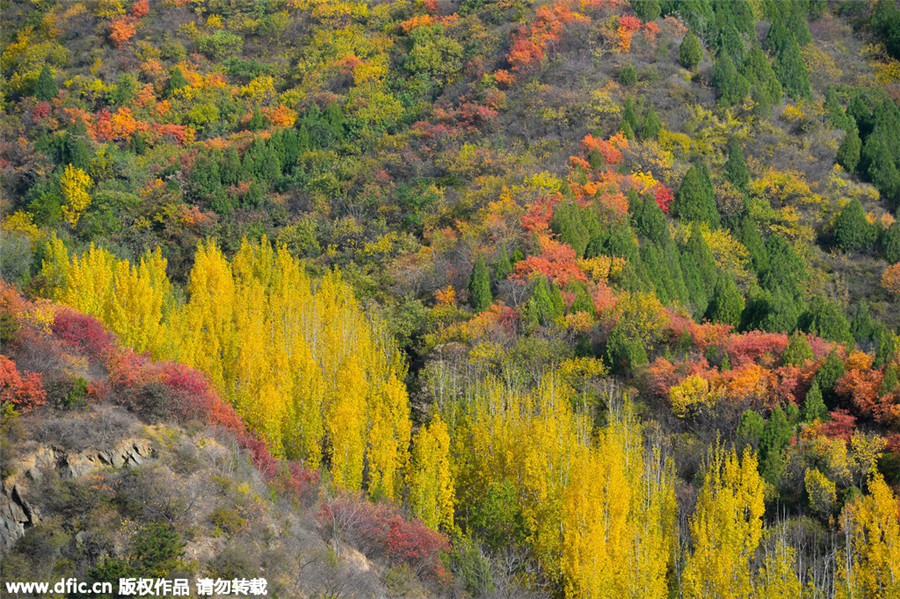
585 298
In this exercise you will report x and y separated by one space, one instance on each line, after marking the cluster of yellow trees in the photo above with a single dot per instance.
297 358
307 369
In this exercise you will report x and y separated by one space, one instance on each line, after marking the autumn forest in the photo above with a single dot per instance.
453 298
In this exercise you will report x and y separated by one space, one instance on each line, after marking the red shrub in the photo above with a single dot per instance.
841 425
756 346
83 333
42 110
140 8
381 530
18 391
664 197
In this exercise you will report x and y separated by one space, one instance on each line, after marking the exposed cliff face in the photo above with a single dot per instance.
79 487
17 513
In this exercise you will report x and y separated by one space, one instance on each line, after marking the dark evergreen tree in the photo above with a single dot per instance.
736 167
798 352
741 15
880 157
696 200
75 151
503 267
885 21
890 243
728 42
890 380
703 259
817 9
885 348
861 110
776 435
814 406
45 89
694 285
749 236
652 261
765 87
786 270
628 76
231 167
778 35
651 222
836 114
621 243
852 231
634 203
750 430
848 153
541 307
797 23
861 327
791 70
624 353
727 303
176 81
629 114
646 10
826 320
690 52
480 297
826 377
651 126
732 87
773 311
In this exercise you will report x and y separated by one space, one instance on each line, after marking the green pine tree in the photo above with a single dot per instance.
696 200
750 429
890 243
732 87
651 222
852 231
766 90
690 52
826 377
628 76
786 270
726 304
699 251
45 89
827 320
861 327
749 236
651 127
736 167
885 348
503 267
848 153
176 81
646 10
798 352
480 297
814 406
791 70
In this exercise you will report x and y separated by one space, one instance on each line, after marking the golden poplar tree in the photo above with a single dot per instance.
75 184
870 566
726 528
429 478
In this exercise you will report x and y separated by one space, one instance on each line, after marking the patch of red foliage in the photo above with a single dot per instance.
19 391
382 530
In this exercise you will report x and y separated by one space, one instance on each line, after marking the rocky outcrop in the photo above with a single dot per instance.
17 514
